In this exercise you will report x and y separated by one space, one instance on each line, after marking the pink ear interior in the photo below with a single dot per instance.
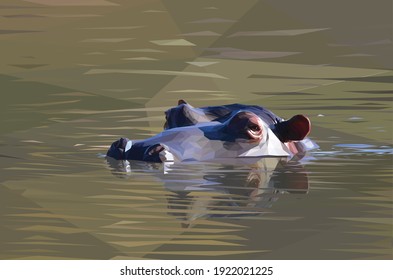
299 127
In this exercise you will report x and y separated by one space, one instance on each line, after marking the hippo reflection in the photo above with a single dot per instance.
208 133
242 187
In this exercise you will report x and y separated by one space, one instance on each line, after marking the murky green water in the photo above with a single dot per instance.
75 78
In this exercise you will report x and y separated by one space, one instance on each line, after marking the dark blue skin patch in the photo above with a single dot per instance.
180 115
138 151
225 112
117 148
218 132
233 128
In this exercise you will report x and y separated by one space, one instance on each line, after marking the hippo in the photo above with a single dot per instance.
218 132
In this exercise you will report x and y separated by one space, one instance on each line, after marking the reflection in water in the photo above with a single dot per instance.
218 190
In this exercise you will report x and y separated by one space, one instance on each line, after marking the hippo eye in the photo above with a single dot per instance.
254 127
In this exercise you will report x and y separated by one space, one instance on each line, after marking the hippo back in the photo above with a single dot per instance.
225 112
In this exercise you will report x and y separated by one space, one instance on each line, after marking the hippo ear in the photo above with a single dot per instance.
294 129
181 101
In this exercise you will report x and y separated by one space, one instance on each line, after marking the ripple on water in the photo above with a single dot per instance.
365 148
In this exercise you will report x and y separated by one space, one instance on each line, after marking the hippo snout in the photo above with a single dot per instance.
117 149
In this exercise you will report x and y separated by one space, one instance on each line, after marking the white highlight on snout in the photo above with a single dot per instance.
128 146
